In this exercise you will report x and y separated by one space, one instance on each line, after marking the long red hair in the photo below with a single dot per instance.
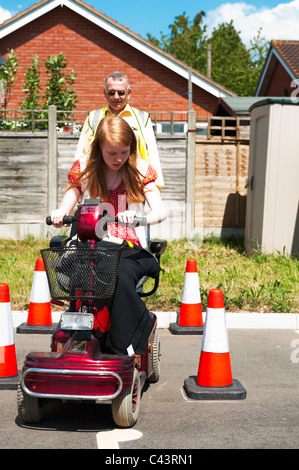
112 129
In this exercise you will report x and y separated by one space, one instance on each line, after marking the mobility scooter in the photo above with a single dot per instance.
84 272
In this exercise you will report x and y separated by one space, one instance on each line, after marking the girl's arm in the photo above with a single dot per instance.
158 212
67 204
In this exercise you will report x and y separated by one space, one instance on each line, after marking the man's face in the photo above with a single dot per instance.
117 94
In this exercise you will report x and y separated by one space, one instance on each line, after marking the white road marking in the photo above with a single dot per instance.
110 439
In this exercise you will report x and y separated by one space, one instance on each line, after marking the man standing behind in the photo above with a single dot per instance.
117 92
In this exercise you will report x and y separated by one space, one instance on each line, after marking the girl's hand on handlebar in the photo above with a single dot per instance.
57 218
126 217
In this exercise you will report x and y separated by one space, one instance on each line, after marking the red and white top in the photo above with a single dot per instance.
117 199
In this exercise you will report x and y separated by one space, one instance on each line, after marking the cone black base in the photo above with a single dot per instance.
176 329
24 328
236 391
9 383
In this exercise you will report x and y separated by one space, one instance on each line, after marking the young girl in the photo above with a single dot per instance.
115 174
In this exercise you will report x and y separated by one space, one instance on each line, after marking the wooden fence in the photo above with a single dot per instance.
204 177
220 180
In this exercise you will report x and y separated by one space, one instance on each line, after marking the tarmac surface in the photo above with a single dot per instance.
264 361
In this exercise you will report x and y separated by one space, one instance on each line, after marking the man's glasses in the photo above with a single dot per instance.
112 92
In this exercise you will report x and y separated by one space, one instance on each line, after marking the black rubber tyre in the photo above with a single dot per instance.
154 377
30 409
125 407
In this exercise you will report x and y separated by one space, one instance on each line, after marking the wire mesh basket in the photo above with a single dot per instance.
81 272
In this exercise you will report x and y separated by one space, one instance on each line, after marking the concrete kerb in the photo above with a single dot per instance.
243 320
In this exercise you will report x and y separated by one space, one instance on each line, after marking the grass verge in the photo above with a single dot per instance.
261 283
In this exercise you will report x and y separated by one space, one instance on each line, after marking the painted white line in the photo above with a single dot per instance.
161 386
110 439
185 396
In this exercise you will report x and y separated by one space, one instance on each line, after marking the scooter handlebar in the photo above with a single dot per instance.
68 219
138 221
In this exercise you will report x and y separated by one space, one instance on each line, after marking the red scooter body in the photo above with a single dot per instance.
77 369
80 370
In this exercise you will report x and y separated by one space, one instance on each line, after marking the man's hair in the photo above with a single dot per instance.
117 76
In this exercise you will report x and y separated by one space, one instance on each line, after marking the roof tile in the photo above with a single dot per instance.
289 52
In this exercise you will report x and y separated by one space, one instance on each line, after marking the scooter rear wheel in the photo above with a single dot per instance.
156 354
30 409
125 408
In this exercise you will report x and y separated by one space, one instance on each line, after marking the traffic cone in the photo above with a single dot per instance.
214 380
39 318
190 316
8 360
215 368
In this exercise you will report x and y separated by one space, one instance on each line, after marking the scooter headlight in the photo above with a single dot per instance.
76 321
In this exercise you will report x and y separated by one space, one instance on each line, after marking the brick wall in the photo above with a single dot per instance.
93 53
280 82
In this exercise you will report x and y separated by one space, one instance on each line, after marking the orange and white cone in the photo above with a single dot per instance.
214 378
215 368
191 309
39 313
190 316
8 359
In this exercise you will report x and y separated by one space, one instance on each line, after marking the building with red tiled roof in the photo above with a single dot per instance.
280 75
96 45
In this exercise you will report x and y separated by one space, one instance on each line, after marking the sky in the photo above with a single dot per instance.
279 19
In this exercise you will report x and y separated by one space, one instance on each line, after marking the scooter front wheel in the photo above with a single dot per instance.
30 409
125 407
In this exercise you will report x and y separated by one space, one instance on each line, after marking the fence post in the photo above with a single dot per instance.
190 174
52 159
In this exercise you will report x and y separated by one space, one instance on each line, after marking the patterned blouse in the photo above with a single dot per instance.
116 197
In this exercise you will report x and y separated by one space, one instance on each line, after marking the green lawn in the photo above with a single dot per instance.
261 283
